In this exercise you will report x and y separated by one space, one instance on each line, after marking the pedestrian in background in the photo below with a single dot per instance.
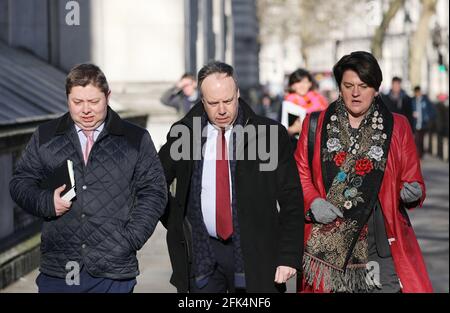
271 105
303 94
424 115
363 176
183 95
398 101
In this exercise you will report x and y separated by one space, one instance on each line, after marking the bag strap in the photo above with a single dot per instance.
313 121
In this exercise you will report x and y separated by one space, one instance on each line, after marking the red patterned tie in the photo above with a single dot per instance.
89 143
224 222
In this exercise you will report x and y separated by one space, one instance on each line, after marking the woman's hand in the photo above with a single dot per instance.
411 192
324 212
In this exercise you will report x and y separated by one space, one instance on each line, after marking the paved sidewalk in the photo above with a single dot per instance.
431 222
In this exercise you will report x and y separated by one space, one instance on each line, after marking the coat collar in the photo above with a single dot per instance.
113 124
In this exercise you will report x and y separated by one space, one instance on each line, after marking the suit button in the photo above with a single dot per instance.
84 187
83 215
83 246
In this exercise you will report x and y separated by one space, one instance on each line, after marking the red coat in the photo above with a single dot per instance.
403 165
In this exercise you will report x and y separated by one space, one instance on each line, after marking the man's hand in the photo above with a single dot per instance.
284 273
183 83
295 128
61 206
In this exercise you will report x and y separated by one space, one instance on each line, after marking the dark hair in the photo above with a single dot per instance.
188 75
85 74
417 88
215 67
396 79
364 64
298 75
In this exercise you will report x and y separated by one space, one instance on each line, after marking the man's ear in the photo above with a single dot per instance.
238 94
108 95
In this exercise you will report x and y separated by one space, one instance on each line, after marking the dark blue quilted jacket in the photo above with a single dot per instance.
121 194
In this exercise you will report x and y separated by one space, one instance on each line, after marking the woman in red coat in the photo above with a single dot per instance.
365 174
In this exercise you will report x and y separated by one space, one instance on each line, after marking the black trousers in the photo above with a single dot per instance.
222 279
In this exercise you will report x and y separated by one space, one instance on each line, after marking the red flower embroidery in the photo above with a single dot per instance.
363 166
364 233
339 158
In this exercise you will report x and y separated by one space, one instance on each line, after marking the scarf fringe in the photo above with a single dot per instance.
354 279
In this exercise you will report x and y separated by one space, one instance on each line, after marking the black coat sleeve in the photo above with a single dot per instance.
290 199
151 195
407 110
168 165
24 185
172 97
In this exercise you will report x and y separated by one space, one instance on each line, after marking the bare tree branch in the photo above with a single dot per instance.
319 18
419 41
388 16
313 21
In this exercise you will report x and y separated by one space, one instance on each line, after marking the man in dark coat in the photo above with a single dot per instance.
398 101
235 222
89 242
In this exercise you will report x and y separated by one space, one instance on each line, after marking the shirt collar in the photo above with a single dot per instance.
211 126
98 129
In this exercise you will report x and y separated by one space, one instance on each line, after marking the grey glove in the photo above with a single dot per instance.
324 212
411 192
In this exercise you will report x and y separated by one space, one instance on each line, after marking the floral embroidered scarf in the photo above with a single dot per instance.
353 164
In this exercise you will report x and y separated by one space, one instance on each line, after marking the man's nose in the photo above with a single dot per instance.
222 110
86 108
